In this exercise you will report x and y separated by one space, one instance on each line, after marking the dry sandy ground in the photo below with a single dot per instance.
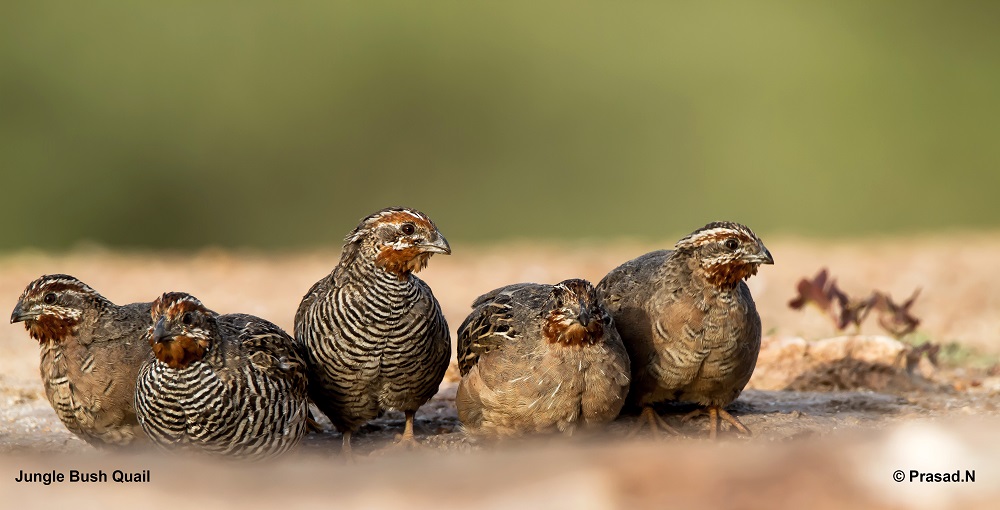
834 448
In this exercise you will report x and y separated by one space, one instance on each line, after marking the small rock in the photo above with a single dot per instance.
842 363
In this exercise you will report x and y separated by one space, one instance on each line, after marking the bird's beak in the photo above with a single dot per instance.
766 258
159 332
20 315
584 317
762 257
440 245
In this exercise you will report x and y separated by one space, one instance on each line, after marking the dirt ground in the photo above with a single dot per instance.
828 448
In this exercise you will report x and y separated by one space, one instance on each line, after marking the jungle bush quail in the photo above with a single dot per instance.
91 350
372 332
539 358
231 385
688 321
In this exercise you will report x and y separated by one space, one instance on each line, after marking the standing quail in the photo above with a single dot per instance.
230 385
372 332
91 350
539 358
688 320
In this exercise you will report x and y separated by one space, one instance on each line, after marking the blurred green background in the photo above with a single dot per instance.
281 124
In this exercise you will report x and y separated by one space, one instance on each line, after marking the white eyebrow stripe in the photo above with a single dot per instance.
710 233
414 214
735 230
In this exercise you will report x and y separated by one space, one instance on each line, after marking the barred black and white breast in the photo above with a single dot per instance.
372 332
91 351
540 358
229 385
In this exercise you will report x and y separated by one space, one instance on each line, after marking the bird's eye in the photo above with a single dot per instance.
49 298
408 229
732 244
187 319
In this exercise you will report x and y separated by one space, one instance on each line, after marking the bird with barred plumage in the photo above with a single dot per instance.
372 332
225 385
689 322
91 350
539 358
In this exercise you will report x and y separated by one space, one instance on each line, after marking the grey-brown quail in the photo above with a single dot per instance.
228 385
688 321
372 332
539 358
91 350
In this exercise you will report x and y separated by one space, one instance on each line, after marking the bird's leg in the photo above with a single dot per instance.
654 422
715 415
407 436
723 414
345 449
713 422
407 441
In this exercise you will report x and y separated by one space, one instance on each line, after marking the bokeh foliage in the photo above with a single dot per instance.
273 124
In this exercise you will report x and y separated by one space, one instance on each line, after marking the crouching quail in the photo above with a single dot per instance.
688 321
539 358
372 332
91 350
229 385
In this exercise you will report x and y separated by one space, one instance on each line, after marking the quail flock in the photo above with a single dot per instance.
670 326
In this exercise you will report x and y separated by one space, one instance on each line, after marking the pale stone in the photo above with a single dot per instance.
783 360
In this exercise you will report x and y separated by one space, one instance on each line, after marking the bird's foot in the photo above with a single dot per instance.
658 426
716 414
405 442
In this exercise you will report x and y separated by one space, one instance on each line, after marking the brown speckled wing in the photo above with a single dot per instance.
489 324
497 317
